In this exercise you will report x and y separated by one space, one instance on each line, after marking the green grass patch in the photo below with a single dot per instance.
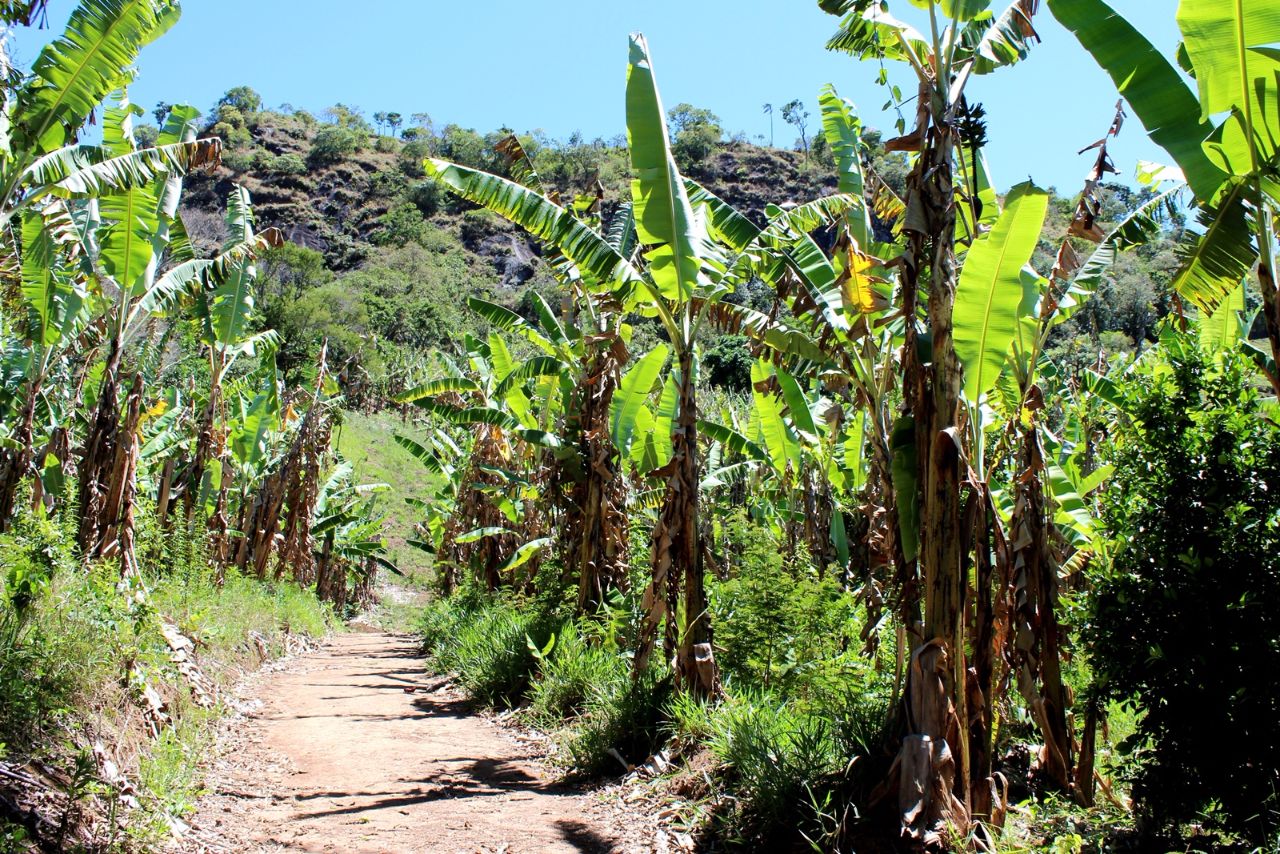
77 652
368 442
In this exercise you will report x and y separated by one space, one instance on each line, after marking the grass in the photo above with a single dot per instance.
368 442
76 652
777 760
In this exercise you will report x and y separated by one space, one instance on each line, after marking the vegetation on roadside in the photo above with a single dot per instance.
90 673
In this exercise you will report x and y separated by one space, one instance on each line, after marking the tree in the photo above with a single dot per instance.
794 113
1197 482
242 98
345 116
395 120
333 143
695 133
768 111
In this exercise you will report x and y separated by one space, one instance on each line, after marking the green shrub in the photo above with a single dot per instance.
776 757
334 143
287 164
1186 619
784 627
625 716
569 675
412 154
727 363
239 161
492 647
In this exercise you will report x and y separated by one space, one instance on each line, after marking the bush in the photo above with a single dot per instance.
287 164
334 143
411 156
426 197
570 674
239 161
492 646
1186 620
400 225
777 757
784 627
69 637
623 716
727 363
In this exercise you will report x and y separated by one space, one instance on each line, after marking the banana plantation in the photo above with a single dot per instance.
918 583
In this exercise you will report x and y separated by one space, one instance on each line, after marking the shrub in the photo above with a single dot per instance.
239 161
727 363
569 674
287 164
1186 619
777 757
493 650
401 225
783 626
624 716
426 197
411 156
333 143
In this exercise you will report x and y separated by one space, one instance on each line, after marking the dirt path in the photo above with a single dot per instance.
355 748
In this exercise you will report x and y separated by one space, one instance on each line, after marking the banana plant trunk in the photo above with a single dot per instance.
16 464
677 557
933 763
1037 632
330 583
108 476
1271 319
596 507
165 492
59 448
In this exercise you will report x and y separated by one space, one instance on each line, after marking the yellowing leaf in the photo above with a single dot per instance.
856 284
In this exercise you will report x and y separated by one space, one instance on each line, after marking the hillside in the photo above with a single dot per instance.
342 190
381 260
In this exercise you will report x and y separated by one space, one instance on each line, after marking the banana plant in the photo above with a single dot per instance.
58 305
1231 166
71 78
584 349
345 515
223 313
122 240
945 752
495 501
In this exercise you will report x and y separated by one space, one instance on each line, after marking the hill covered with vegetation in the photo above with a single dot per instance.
380 260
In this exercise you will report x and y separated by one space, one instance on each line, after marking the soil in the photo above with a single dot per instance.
355 747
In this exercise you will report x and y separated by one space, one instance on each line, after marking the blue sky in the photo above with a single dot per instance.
559 66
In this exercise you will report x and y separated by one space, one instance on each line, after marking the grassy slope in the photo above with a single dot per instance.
74 658
368 442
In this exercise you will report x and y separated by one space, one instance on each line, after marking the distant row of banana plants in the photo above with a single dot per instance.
134 371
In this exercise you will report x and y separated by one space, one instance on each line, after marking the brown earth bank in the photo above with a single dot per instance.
356 747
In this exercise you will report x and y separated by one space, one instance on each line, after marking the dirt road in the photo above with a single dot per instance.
356 748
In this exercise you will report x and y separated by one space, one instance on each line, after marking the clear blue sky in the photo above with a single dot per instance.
559 66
